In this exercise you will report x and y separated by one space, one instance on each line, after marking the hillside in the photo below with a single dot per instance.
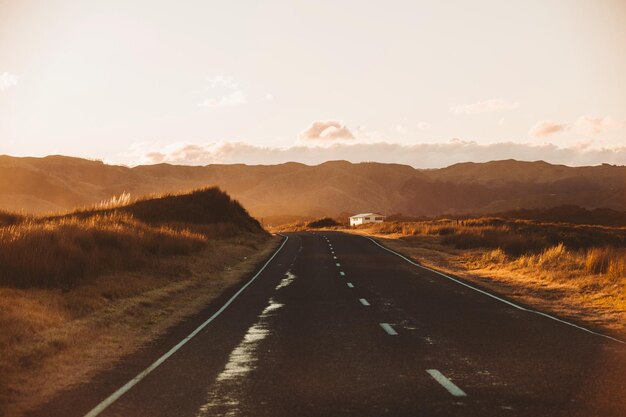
57 183
76 247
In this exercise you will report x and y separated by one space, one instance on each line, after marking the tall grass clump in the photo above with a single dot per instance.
324 222
65 252
609 261
606 261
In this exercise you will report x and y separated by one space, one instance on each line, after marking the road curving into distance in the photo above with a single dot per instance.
337 325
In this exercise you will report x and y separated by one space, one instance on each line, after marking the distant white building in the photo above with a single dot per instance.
363 218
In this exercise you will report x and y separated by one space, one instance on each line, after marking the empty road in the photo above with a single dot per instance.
336 325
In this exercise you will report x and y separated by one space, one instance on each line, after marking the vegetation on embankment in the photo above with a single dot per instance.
78 291
322 223
65 250
576 270
327 223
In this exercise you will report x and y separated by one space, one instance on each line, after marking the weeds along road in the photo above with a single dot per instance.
336 325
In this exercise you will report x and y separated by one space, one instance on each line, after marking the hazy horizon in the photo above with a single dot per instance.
314 162
426 84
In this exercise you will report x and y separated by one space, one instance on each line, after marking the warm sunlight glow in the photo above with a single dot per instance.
421 83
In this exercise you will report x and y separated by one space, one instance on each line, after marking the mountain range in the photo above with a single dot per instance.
60 183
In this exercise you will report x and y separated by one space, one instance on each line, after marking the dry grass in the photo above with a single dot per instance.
79 290
65 250
62 253
53 339
573 270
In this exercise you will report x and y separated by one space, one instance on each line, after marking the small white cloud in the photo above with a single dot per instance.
269 97
401 129
230 100
225 91
547 128
485 106
8 80
222 81
593 125
326 130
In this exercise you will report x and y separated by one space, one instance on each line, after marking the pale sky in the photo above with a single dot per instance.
426 83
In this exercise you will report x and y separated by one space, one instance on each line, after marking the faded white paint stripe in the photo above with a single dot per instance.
495 296
343 274
390 330
121 391
364 301
338 264
446 383
350 285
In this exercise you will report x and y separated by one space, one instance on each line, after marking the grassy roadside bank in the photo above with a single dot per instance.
55 339
80 291
587 284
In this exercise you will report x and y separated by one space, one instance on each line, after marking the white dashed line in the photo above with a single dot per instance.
334 257
364 301
338 264
350 285
446 383
390 330
343 274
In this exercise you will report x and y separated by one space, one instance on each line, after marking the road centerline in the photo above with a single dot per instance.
389 329
364 302
446 383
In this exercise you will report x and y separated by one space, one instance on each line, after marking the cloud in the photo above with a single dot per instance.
222 81
8 80
546 128
326 130
401 129
593 125
429 155
227 91
404 130
485 106
230 100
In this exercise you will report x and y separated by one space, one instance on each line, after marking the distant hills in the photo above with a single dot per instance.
58 183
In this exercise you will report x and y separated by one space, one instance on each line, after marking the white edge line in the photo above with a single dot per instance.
446 383
121 391
496 297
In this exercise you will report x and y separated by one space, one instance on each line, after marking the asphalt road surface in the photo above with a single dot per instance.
336 325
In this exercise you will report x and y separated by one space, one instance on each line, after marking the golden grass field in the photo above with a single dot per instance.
81 290
577 271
